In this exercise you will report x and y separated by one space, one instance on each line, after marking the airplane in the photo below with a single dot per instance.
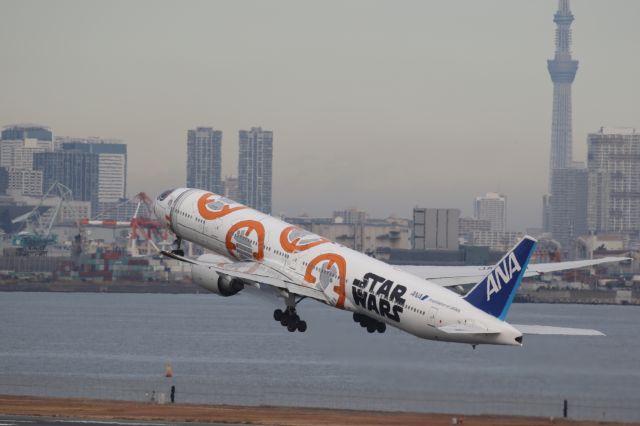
251 249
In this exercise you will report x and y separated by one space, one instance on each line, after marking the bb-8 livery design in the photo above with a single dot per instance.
251 249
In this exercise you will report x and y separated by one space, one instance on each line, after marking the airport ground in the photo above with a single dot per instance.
21 410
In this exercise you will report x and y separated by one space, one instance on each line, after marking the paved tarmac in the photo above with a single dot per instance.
59 421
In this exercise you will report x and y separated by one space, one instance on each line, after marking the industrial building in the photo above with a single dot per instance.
435 228
357 231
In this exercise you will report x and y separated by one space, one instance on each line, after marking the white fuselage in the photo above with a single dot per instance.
350 280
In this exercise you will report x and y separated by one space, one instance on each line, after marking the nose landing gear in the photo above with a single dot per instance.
178 251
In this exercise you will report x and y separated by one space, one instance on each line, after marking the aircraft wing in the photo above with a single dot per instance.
449 276
253 273
558 331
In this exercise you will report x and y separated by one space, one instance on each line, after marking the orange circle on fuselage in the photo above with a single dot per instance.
251 225
293 246
207 214
331 259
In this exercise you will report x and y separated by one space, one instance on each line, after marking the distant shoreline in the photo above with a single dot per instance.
556 296
163 287
257 415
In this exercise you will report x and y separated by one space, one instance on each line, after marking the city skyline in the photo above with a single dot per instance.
360 112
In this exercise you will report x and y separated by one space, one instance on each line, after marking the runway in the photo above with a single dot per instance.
57 421
26 411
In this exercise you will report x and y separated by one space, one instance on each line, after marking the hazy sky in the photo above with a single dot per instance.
378 105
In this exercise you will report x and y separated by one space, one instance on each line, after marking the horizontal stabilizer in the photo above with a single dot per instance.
451 276
558 331
466 329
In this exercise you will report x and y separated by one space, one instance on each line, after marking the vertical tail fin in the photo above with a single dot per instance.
496 291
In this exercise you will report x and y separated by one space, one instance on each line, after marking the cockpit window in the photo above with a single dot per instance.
165 194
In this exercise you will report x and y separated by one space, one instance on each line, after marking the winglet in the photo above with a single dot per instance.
495 293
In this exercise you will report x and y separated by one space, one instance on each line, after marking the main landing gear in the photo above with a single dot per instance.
178 251
289 317
369 323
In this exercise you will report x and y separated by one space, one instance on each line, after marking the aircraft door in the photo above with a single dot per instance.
294 263
432 317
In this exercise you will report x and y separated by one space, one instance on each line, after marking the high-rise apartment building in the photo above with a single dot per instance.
27 131
569 188
492 207
204 159
255 168
24 182
614 180
112 164
18 153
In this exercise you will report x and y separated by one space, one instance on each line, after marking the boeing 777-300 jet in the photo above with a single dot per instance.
253 249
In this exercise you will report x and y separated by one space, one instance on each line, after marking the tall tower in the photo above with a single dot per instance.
255 168
204 159
562 70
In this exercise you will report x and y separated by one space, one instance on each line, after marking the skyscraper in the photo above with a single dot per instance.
204 159
27 131
112 164
562 69
569 204
255 168
76 170
492 207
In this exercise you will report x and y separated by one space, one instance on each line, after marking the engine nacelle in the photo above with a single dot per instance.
209 279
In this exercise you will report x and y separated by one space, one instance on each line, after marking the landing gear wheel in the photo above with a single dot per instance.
381 327
371 328
278 314
289 317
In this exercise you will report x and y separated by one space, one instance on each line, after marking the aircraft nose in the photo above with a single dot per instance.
161 206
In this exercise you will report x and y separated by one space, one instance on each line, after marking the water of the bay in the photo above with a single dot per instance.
230 351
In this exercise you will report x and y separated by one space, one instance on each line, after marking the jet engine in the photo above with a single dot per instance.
209 279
